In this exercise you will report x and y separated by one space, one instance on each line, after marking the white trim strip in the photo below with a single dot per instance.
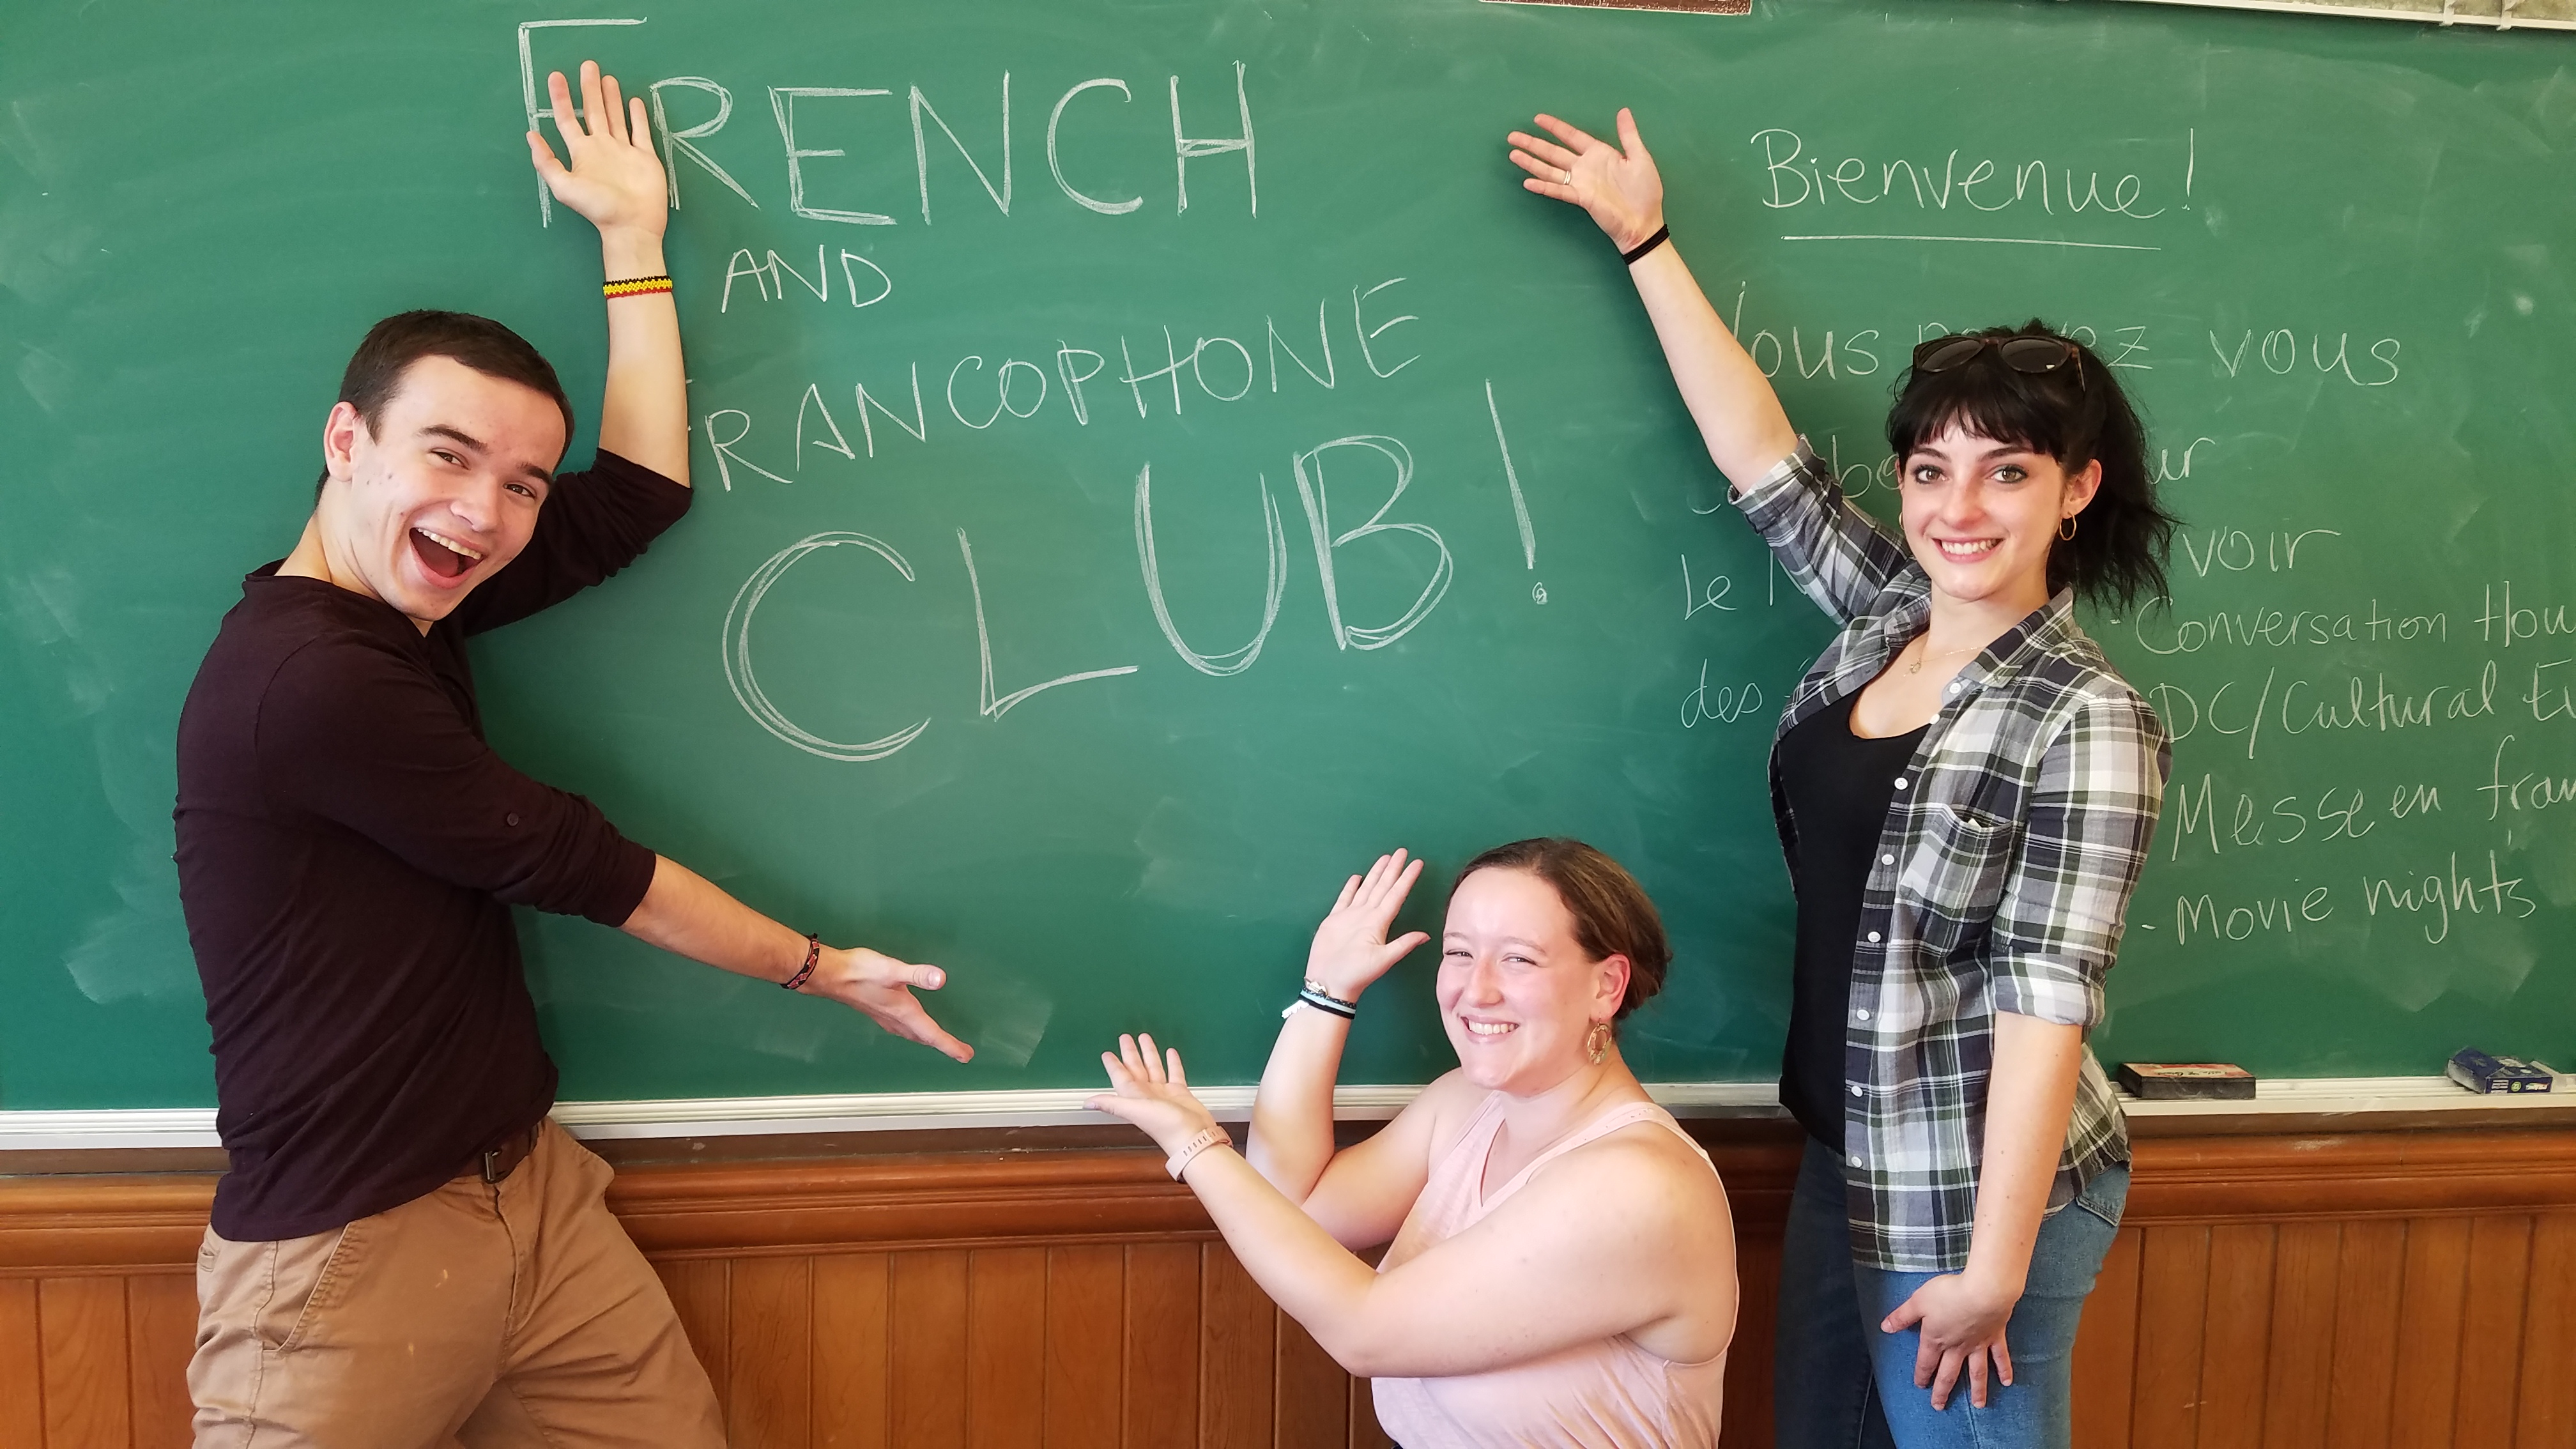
753 1116
2372 12
2337 1095
165 1127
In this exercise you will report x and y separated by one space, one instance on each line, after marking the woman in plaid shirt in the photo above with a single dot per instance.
1966 790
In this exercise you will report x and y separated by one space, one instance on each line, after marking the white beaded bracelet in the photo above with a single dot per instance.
1211 1137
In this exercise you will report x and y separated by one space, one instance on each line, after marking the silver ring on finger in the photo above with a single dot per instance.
1569 179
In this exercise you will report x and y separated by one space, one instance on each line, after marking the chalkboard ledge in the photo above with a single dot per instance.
179 1127
2328 1104
2279 1104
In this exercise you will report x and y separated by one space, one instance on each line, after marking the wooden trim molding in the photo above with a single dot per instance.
57 1226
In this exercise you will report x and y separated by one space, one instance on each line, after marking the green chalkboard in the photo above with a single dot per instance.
1434 556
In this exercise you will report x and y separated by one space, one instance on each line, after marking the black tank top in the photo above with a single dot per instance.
1839 788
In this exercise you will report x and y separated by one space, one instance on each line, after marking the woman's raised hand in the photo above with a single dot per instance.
1617 185
1150 1090
614 178
1351 949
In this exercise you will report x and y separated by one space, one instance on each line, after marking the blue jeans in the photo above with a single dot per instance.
1839 1383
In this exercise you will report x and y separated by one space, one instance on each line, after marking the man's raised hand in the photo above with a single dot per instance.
614 178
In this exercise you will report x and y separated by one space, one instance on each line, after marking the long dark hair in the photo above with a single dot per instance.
2076 414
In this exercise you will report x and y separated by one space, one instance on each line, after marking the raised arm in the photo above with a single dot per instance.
1840 556
1739 416
615 179
1359 1196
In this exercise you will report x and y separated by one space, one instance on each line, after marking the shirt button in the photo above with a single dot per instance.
1873 938
1900 782
1954 686
1855 1089
1887 860
1863 1013
511 819
1859 1161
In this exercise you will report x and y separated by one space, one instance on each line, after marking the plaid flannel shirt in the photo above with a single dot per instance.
2002 879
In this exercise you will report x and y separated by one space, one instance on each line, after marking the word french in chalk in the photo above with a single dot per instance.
2178 1081
837 120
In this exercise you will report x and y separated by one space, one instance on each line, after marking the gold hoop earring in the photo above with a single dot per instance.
1596 1042
2066 529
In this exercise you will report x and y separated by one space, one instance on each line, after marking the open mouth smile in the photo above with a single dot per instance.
443 557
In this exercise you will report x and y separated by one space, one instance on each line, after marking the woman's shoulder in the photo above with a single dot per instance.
1647 1159
2073 676
1447 1107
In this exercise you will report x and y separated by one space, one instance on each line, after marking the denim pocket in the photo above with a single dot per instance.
2107 1195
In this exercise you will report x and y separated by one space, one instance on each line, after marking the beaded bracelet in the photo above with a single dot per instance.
813 957
635 287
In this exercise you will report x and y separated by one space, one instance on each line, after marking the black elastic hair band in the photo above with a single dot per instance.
1321 1002
1633 254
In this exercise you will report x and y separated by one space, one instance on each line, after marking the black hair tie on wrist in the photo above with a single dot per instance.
1635 253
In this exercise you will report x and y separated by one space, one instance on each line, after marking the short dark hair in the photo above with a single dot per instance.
2077 415
375 371
1612 914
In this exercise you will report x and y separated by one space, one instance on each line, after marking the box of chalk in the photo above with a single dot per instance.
2173 1081
2482 1072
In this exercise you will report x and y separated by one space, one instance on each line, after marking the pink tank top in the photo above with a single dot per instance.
1606 1395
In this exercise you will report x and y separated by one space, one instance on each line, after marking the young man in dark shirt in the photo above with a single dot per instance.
407 1251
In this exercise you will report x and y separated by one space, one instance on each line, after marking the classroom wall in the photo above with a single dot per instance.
2394 1289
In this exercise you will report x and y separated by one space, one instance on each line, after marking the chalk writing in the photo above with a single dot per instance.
737 652
1234 661
1725 705
2439 894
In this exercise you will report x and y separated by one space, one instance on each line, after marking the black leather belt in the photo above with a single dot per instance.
498 1162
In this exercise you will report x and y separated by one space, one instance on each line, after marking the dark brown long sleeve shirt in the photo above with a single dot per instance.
349 850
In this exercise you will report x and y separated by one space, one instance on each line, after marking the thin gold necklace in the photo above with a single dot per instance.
1926 655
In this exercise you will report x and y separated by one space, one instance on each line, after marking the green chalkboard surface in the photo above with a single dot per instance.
1151 456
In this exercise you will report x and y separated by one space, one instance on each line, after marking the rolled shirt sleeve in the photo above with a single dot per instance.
1839 556
2091 815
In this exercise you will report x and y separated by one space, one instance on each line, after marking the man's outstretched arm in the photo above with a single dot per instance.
615 179
689 915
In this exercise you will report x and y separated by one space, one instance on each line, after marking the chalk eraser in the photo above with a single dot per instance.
2168 1081
2481 1072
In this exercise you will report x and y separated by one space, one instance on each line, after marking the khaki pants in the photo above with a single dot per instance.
516 1313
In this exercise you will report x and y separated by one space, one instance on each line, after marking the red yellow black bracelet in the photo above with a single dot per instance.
635 287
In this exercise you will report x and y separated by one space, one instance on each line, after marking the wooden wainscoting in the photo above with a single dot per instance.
2384 1289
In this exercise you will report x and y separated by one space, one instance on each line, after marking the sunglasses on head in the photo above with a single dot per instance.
2023 353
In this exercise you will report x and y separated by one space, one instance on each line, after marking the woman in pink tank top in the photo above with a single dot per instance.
1560 1268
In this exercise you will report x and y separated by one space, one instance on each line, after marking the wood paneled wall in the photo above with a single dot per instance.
2377 1289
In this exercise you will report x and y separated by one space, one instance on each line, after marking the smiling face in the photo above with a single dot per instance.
443 493
1982 515
1516 994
